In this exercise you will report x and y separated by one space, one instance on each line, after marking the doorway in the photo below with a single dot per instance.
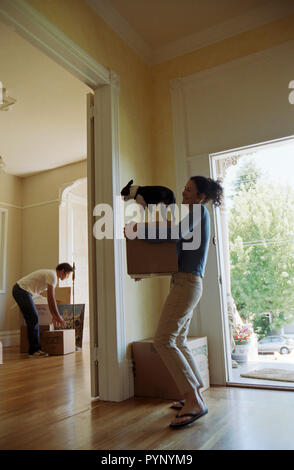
73 245
255 231
113 379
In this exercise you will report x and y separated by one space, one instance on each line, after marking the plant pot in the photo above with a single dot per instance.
240 352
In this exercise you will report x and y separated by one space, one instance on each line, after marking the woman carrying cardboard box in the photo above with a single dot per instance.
184 295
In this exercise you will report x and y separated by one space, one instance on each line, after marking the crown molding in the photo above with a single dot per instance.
240 24
253 19
40 32
225 70
121 27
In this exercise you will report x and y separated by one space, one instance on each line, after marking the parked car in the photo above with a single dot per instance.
271 344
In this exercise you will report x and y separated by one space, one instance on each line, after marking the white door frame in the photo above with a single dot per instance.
115 380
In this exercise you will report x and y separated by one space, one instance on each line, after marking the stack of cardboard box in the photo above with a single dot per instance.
54 342
151 376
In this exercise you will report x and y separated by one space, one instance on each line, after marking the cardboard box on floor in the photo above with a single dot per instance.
152 378
24 342
59 342
148 259
62 296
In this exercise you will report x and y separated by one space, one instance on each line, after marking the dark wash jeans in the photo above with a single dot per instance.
26 304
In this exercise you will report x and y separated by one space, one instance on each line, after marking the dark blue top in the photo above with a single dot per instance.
194 260
192 235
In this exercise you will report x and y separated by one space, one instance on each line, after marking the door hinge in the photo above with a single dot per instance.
95 354
220 280
91 111
214 240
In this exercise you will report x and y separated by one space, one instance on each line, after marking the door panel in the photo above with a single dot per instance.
209 317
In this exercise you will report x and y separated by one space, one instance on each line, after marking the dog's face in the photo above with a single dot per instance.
126 191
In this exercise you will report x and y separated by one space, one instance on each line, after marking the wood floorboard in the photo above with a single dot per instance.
45 404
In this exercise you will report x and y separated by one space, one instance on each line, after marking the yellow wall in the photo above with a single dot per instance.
146 137
227 50
10 199
39 238
211 56
41 197
92 34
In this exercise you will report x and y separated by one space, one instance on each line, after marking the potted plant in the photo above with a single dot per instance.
242 335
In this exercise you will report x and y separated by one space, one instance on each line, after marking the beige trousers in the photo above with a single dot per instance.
171 336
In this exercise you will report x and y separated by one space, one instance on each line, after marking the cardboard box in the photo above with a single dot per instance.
44 314
24 342
150 258
59 342
62 295
152 378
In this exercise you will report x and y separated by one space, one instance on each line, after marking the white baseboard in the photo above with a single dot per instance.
129 379
10 338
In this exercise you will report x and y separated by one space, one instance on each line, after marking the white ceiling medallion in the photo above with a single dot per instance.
5 100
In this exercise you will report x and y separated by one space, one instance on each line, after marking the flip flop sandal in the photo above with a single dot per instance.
178 405
193 417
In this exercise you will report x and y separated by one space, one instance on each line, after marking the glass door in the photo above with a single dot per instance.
255 230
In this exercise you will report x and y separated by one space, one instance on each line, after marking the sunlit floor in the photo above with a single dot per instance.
262 361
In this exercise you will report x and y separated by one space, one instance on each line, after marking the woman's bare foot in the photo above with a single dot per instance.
178 405
194 405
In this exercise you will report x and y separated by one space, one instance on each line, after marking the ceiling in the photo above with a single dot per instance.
162 21
159 30
46 127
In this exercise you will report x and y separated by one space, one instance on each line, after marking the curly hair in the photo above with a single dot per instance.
211 188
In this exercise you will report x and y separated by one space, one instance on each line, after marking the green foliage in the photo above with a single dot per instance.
261 228
247 175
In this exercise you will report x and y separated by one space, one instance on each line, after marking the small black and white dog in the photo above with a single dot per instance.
146 195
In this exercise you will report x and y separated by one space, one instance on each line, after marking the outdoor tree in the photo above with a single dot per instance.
261 226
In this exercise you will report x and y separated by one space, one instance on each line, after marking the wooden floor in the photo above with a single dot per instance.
45 404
